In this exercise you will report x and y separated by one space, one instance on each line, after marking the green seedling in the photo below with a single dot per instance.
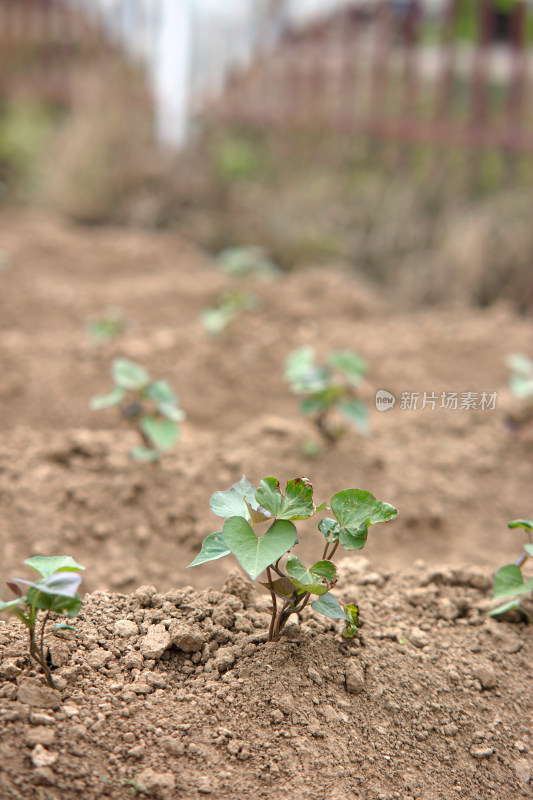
55 592
150 406
509 581
521 380
327 388
245 262
291 585
107 326
228 307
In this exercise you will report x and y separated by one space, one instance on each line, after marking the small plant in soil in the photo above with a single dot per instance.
509 581
247 262
54 593
106 327
228 307
292 585
521 387
328 390
151 407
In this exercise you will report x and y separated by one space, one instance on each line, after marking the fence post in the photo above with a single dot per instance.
171 73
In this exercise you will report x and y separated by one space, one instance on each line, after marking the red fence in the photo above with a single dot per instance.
378 74
392 78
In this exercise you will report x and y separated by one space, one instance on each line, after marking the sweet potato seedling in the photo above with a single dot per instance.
521 387
509 581
247 262
328 388
291 585
228 307
106 327
55 592
150 406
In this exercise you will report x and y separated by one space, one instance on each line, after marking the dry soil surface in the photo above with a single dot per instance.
173 691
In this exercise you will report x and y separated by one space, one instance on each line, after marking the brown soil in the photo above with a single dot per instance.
434 702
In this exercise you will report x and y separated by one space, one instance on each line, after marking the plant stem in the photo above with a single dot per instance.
44 665
325 555
274 606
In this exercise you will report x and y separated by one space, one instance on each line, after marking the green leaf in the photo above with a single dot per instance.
520 364
303 375
62 626
330 607
313 405
296 504
356 510
527 524
141 453
129 375
61 604
160 391
171 412
60 583
505 607
114 398
232 502
329 528
255 554
529 549
213 547
352 365
162 432
19 601
350 629
356 412
508 582
48 565
283 587
318 579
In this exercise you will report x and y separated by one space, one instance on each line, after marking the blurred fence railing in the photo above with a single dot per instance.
392 78
368 70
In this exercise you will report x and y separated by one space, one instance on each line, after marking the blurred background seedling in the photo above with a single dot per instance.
521 388
228 307
509 581
106 327
329 390
151 407
247 262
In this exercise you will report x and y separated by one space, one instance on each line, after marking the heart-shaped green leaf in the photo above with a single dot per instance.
318 579
253 553
162 432
296 504
508 581
232 503
213 547
355 510
48 565
330 607
129 375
